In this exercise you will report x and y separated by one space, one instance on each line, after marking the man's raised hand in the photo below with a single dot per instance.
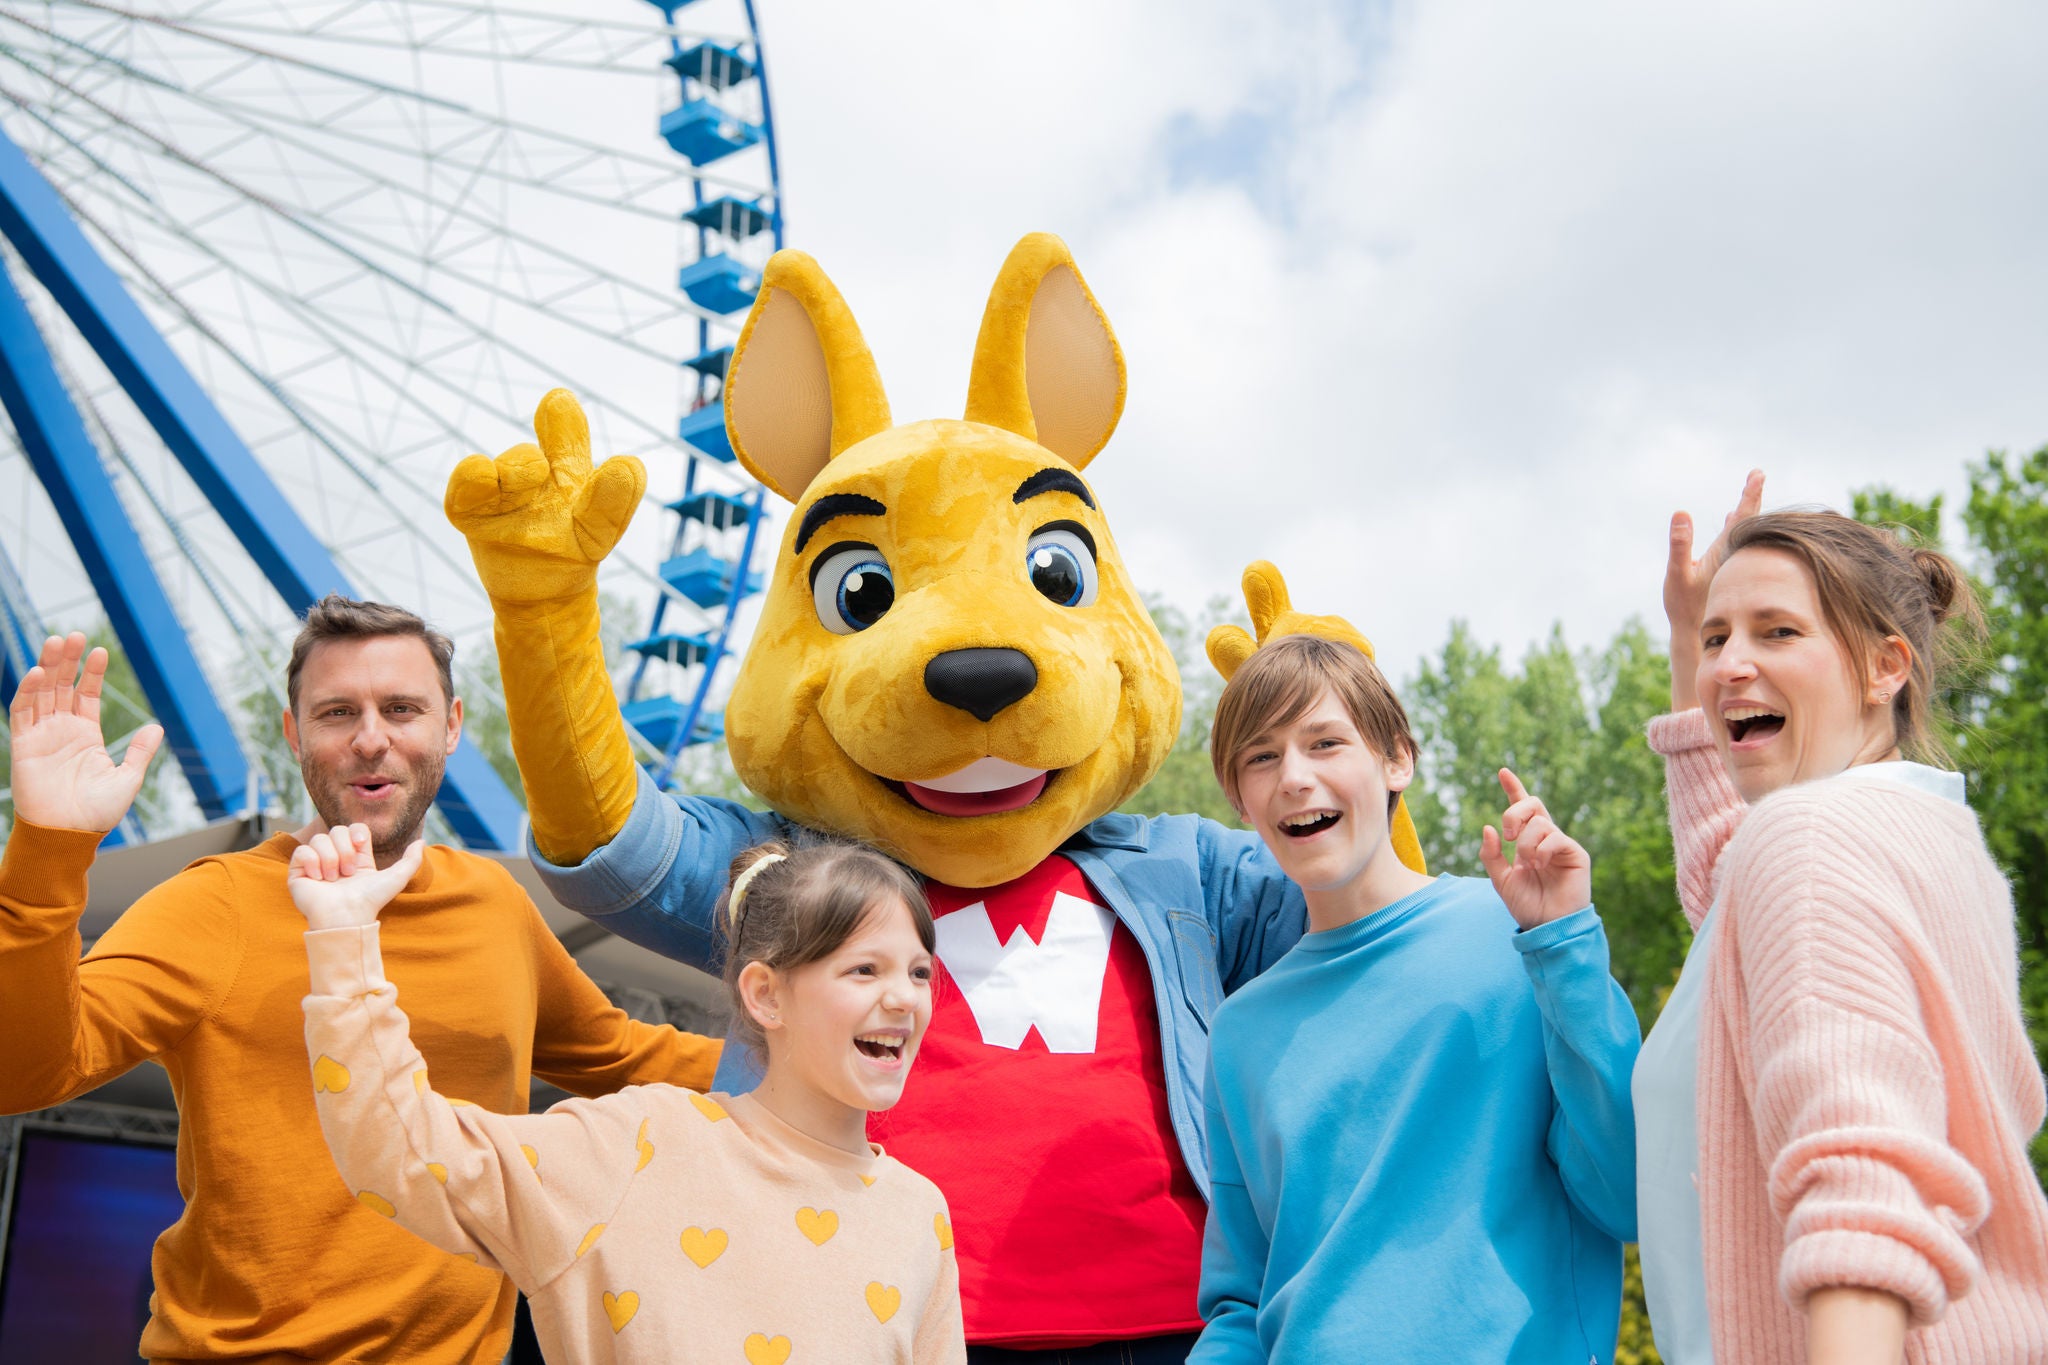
62 774
540 518
1551 875
335 881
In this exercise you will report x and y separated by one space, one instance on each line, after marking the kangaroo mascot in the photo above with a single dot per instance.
952 666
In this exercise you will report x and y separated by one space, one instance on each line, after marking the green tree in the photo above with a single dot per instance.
1185 782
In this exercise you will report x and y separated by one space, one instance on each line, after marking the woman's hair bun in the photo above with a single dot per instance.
1947 588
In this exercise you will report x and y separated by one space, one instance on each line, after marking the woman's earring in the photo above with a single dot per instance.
1883 697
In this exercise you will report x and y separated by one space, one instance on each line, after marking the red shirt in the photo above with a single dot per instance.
1038 1105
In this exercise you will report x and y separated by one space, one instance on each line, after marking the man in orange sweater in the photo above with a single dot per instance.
273 1261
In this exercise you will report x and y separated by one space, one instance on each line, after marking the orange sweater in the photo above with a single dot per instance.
274 1261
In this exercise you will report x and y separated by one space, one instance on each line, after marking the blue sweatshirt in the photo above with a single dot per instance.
1421 1143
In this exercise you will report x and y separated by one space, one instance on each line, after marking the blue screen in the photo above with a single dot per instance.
86 1212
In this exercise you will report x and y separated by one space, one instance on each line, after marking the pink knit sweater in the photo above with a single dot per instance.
1866 1086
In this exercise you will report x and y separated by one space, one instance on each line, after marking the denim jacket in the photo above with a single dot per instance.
1207 904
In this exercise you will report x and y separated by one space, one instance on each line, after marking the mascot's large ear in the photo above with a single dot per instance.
801 385
1046 365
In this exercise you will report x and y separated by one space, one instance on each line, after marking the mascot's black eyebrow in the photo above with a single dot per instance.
1053 481
836 505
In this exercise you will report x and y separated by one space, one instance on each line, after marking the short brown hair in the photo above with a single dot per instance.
800 908
1873 585
335 617
1281 681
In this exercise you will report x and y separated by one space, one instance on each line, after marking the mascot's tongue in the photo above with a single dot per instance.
976 803
985 787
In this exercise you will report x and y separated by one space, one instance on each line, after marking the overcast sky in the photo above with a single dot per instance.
1444 307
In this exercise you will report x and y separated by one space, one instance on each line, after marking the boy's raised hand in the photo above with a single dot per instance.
63 776
1551 875
335 882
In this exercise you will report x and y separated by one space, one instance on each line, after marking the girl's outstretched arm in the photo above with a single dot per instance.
526 1194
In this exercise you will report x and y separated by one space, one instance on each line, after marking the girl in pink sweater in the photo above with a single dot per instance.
658 1224
1833 1112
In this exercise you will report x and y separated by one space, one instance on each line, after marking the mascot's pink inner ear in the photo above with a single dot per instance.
1070 358
785 424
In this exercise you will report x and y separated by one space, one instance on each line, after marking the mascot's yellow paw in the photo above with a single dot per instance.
1273 615
539 518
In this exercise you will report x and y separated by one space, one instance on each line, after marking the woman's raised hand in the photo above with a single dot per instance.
336 883
1685 588
1551 875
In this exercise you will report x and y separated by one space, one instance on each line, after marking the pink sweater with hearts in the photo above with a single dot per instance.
1867 1090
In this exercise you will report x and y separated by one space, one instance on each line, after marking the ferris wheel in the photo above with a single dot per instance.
274 266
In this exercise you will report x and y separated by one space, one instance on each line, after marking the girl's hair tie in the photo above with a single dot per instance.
739 890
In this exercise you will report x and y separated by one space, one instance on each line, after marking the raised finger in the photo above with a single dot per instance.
606 503
564 435
329 860
1512 785
66 673
1752 499
87 703
366 856
142 747
1679 565
1514 821
22 712
344 847
1490 856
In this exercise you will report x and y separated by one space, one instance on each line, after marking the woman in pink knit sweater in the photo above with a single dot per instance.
1834 1110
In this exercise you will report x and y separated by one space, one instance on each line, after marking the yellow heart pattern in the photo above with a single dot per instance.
704 1247
532 1157
868 1179
376 1203
764 1350
816 1225
590 1238
646 1148
438 1171
884 1300
708 1107
419 1081
945 1231
620 1308
459 1104
329 1076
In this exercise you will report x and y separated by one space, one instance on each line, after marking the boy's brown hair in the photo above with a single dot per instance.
1281 681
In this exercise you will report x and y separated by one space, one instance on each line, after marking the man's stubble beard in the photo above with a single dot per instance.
329 792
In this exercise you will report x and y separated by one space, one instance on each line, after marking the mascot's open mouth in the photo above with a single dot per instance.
987 786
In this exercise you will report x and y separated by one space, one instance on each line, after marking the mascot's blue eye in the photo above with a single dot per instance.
1061 563
852 588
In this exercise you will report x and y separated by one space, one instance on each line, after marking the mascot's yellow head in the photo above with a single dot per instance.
951 663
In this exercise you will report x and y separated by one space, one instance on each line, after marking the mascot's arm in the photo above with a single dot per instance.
539 520
657 884
1273 615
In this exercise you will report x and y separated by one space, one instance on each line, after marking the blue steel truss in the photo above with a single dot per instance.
33 218
703 566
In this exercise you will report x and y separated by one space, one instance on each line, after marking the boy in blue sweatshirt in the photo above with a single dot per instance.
1421 1139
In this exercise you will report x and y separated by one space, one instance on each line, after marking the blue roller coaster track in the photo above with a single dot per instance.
90 479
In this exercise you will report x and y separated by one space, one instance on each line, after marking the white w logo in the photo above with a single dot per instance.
1055 983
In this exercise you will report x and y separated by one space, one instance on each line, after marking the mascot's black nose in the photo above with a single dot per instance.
980 682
